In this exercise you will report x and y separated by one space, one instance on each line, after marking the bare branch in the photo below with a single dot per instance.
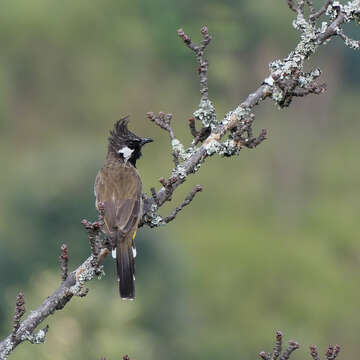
200 56
19 312
163 121
186 202
291 5
286 80
311 6
331 353
314 353
73 285
206 112
278 345
63 259
187 41
316 15
264 355
293 345
354 44
94 234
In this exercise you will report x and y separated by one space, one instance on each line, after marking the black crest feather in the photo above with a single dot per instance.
121 135
121 130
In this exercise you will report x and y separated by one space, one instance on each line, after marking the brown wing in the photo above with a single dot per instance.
118 187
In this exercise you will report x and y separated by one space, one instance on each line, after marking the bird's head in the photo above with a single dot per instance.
124 144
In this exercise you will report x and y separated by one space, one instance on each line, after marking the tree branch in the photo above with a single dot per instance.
286 80
72 285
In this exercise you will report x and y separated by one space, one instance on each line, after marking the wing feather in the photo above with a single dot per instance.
118 187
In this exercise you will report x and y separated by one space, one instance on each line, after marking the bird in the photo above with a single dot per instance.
118 189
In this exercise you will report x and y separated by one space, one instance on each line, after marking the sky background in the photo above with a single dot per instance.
271 243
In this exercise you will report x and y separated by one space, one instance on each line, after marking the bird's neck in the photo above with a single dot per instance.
113 157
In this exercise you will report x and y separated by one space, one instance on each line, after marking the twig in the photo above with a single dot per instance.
63 259
314 353
311 6
291 5
94 232
206 113
264 355
300 7
316 15
186 202
278 344
19 312
192 127
293 345
355 44
163 121
153 194
312 89
331 353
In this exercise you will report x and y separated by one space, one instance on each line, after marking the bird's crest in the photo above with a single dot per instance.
121 135
121 130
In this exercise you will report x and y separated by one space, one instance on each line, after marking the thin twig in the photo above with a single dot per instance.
312 89
199 52
311 6
332 352
291 5
264 355
186 202
314 353
293 345
19 312
163 121
278 345
153 194
316 15
355 44
64 259
94 233
192 127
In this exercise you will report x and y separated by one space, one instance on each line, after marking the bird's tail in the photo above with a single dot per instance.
125 263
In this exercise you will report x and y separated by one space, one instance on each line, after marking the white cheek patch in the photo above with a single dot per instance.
113 253
126 151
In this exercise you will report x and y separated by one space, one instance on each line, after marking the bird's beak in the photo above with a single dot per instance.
146 140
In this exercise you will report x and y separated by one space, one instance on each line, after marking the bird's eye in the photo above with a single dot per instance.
134 143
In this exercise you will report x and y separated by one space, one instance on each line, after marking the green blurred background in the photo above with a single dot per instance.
271 243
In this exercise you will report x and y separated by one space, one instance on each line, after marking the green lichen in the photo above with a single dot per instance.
206 113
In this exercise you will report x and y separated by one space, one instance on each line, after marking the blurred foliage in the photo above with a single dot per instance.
271 242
